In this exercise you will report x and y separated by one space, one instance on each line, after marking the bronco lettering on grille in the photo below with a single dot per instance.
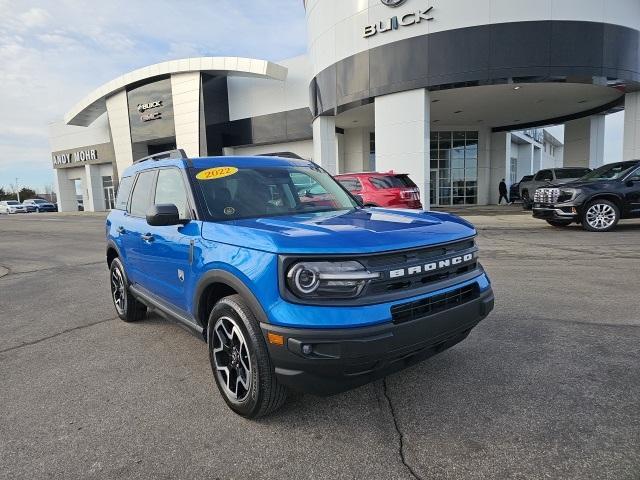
431 267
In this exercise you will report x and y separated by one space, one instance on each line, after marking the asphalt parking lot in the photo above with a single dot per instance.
547 387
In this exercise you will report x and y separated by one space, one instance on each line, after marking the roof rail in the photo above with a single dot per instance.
177 153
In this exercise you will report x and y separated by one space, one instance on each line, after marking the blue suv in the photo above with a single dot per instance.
290 281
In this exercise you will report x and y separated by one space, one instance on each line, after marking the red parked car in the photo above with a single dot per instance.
390 189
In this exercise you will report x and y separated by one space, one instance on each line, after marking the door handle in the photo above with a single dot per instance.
121 230
147 237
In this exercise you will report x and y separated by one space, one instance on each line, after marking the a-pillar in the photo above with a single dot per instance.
325 146
584 142
631 149
402 123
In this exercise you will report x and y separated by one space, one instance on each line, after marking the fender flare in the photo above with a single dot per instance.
231 280
618 199
112 245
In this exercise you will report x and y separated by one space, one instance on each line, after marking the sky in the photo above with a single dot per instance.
54 52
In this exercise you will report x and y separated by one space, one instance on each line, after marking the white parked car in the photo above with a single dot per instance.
11 206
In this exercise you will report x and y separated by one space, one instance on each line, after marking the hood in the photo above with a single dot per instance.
578 184
368 230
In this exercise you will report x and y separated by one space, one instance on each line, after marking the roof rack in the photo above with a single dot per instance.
177 153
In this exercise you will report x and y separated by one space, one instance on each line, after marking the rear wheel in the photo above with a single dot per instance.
127 307
559 223
600 216
240 360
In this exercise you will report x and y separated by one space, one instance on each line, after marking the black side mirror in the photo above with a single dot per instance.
163 215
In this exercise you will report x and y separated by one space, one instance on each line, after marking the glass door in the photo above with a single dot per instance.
433 187
109 198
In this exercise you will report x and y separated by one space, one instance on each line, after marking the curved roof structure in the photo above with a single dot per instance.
94 104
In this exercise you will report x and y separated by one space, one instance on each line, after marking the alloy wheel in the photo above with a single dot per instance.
601 216
118 291
232 359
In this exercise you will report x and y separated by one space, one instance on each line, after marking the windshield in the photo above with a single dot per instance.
12 202
572 173
613 171
232 194
38 201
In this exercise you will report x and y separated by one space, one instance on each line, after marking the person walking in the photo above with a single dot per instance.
502 188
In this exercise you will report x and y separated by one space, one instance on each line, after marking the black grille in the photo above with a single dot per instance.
435 304
387 262
391 260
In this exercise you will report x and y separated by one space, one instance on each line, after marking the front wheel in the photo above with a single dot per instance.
559 223
600 216
240 360
527 204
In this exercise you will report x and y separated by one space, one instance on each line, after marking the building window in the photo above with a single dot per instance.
514 171
454 168
372 152
109 192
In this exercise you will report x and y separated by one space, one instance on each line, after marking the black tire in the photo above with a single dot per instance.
128 308
559 223
526 201
600 216
260 394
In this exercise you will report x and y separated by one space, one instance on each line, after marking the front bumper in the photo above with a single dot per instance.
342 359
566 212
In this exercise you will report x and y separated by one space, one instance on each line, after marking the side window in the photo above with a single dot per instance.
351 184
635 176
544 176
170 189
141 198
123 193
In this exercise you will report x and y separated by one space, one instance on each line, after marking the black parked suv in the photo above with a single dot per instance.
597 201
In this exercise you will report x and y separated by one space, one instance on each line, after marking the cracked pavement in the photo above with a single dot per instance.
547 387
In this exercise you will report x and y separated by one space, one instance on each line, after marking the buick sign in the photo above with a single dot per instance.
142 107
398 21
393 3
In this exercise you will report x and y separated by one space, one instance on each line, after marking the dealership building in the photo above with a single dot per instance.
452 92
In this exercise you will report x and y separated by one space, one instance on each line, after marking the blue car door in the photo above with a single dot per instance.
135 226
167 251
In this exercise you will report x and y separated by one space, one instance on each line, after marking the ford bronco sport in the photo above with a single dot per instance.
319 296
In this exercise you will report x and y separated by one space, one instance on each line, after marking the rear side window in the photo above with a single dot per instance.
544 176
351 184
141 198
170 189
123 193
392 181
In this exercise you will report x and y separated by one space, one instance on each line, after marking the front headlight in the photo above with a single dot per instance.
328 279
567 194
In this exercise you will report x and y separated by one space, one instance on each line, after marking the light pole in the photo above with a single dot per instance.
17 190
